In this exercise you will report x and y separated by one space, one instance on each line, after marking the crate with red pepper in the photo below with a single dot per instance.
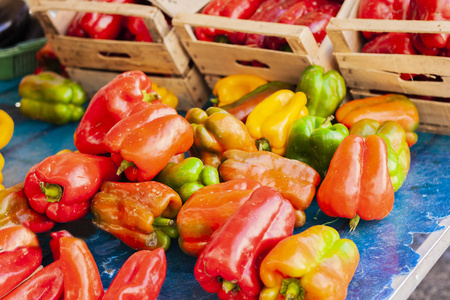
275 39
398 47
91 37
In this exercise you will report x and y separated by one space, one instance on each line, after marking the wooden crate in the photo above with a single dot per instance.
434 116
164 56
368 71
218 59
191 89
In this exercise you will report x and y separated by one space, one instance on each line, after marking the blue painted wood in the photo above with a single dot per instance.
383 245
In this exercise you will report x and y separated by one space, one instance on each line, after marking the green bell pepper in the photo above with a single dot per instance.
52 98
313 140
394 135
188 176
325 91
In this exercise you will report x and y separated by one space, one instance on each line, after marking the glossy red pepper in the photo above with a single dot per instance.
137 27
80 272
47 284
140 277
62 185
113 102
357 184
20 256
229 264
234 9
432 10
54 242
392 43
383 10
15 210
143 143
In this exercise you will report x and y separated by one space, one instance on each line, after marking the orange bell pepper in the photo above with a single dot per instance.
315 264
295 180
207 209
357 184
390 107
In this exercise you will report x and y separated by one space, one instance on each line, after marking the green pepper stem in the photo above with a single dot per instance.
149 97
292 289
160 221
263 144
327 121
52 191
124 165
354 222
229 286
214 101
152 239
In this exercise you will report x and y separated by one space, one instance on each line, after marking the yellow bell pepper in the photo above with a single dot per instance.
233 87
167 97
6 128
2 163
273 118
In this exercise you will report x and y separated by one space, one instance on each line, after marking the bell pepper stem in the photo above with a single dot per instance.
150 97
327 121
152 239
263 144
229 286
214 101
160 221
292 289
354 222
52 191
124 165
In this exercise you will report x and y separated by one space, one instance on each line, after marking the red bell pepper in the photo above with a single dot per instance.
20 256
143 143
54 242
318 19
137 27
47 284
113 102
392 43
234 9
140 277
290 16
62 185
80 272
229 264
383 10
357 184
15 210
432 10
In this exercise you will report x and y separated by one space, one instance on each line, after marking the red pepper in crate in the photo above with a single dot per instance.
431 10
383 10
62 185
234 9
207 209
113 102
143 143
138 213
229 264
15 210
80 272
140 277
137 27
392 43
357 184
46 284
20 256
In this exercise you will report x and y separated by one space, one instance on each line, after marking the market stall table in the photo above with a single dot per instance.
421 206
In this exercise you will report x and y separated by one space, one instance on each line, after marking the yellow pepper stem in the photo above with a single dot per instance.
292 289
124 165
354 222
52 191
229 286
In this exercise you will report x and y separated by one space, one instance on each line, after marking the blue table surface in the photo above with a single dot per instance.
419 205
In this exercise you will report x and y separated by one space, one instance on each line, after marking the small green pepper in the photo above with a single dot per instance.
188 176
313 140
325 91
52 98
394 135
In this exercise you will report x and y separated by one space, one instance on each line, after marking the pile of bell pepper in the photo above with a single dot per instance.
311 13
233 204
